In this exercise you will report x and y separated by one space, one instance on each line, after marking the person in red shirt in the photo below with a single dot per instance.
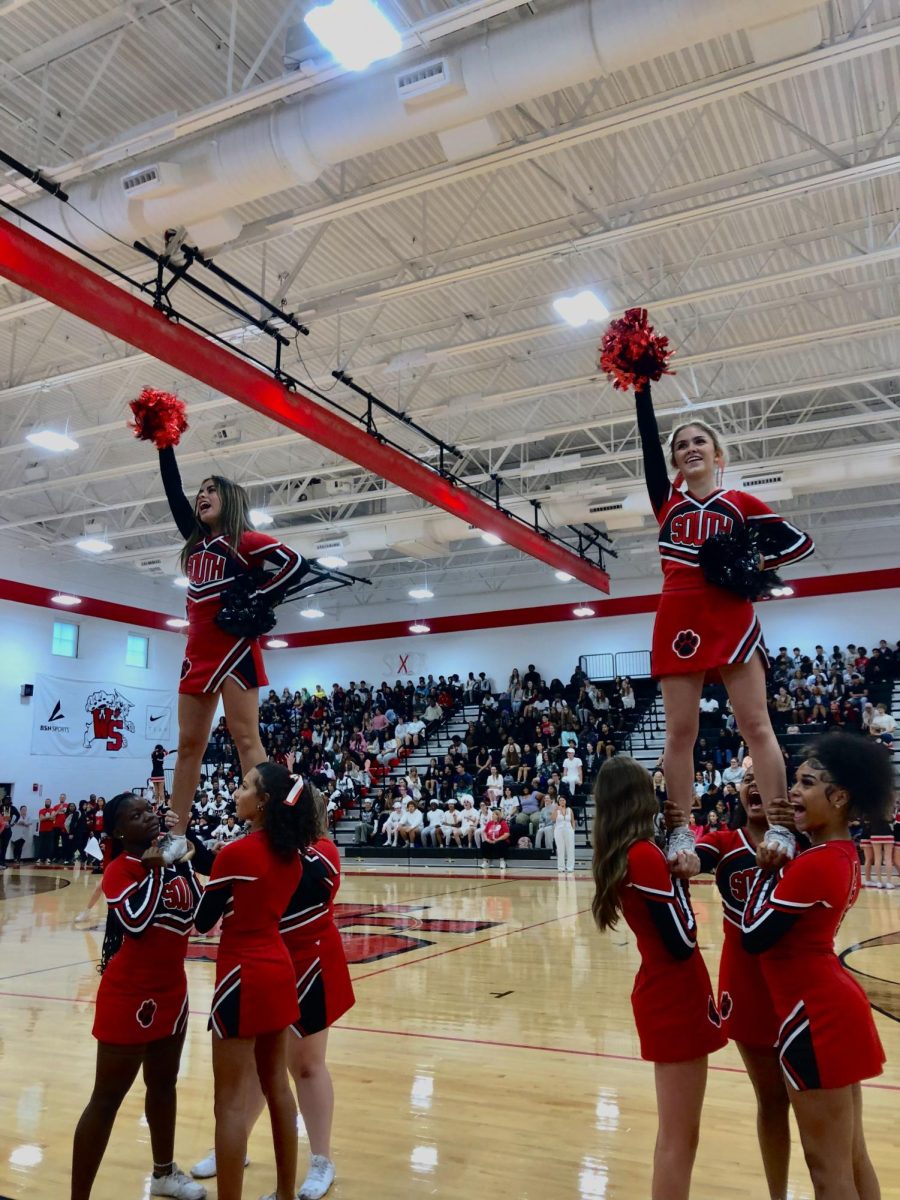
46 826
748 1015
142 1003
60 810
827 1040
676 1016
255 999
700 627
495 840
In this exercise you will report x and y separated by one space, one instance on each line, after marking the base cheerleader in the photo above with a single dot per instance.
675 1012
142 1003
827 1042
748 1015
255 1000
324 994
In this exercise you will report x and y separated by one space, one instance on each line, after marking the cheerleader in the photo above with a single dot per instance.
255 999
158 756
324 994
700 627
827 1041
748 1016
632 881
142 1003
220 547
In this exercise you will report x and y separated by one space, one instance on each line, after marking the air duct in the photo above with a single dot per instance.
201 179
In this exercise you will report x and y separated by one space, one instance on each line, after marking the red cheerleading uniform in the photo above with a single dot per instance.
699 626
143 991
748 1015
212 655
674 1009
249 889
827 1037
324 989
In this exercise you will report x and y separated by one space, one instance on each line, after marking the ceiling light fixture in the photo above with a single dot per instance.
331 562
276 644
781 592
312 613
94 545
419 627
259 518
355 32
181 581
65 599
564 576
50 439
581 309
177 623
583 610
421 593
492 539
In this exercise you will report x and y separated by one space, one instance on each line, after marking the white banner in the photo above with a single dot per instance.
100 719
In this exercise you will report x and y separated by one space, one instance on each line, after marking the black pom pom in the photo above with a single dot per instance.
243 613
731 560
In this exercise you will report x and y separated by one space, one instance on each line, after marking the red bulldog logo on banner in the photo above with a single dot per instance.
108 720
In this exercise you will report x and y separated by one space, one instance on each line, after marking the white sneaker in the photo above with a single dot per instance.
680 840
502 864
178 1185
206 1167
484 862
782 839
319 1178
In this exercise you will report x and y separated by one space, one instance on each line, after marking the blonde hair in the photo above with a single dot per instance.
718 445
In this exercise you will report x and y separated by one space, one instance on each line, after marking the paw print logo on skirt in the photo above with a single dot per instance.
146 1013
686 643
726 1004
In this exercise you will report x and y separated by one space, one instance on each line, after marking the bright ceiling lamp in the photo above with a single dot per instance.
260 518
355 32
181 581
583 610
65 599
581 309
781 592
177 623
276 644
51 439
94 545
563 576
421 593
492 539
419 627
311 613
331 562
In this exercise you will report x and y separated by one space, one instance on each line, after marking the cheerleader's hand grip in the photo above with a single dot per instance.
684 865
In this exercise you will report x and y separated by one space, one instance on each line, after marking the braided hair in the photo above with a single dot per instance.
289 828
112 936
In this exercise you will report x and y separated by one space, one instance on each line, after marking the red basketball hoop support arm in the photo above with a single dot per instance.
39 268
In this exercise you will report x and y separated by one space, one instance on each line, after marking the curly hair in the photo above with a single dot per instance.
289 828
625 808
859 765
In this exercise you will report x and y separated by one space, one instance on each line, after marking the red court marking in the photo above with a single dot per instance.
467 945
448 1037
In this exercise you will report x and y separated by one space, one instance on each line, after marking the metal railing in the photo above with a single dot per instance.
633 663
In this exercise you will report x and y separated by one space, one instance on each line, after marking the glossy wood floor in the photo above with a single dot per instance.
490 1053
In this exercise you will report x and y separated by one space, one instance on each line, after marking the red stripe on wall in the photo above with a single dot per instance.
626 606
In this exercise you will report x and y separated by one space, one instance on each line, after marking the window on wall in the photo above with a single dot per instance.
65 639
136 650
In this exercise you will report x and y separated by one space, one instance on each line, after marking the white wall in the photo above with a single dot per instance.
25 640
25 651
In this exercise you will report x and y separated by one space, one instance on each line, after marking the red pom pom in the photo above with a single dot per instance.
631 353
159 417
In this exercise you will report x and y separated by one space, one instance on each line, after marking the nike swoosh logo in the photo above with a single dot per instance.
158 718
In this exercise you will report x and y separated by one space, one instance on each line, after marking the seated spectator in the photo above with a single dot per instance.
546 824
626 692
525 821
508 805
450 826
493 787
468 821
411 822
659 787
733 773
527 764
572 772
882 725
391 827
228 831
431 830
495 840
484 816
365 828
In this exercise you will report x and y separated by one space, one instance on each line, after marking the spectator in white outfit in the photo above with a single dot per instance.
431 831
484 815
564 836
572 771
468 821
411 823
451 823
543 838
392 824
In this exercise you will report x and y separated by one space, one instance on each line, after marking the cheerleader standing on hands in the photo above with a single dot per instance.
220 549
699 626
